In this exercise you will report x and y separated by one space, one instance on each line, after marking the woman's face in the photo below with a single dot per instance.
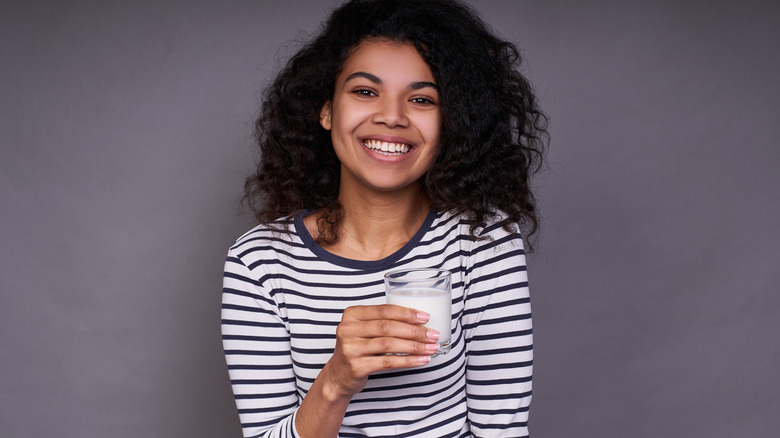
384 118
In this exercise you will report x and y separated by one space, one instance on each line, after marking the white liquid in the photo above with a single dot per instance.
435 302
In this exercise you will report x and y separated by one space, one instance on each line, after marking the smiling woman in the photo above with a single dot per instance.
402 137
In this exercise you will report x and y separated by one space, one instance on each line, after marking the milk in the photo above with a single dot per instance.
435 302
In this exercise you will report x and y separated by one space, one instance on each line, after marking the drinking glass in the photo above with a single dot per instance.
429 290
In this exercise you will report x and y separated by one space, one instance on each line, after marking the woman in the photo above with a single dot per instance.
403 136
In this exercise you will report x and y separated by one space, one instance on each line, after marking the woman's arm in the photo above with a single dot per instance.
497 327
257 352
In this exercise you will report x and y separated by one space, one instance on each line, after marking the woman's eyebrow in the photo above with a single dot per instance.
362 74
423 84
375 79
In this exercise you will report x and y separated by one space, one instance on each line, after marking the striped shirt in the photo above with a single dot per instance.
284 296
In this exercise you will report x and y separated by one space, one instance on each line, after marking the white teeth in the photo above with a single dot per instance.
386 147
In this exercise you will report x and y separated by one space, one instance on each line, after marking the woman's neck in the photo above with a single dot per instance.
375 225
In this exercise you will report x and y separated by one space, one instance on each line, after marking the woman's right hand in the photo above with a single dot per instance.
374 338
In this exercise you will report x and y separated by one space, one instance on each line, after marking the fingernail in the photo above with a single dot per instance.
423 316
432 334
431 347
423 359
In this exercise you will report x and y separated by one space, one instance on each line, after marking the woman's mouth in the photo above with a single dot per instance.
385 147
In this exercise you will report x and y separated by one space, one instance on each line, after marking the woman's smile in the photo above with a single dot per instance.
386 148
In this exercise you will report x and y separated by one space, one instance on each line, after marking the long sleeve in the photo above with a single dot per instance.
257 351
497 328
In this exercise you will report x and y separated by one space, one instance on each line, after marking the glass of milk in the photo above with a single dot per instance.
429 290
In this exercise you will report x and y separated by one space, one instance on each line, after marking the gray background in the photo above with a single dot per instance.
125 130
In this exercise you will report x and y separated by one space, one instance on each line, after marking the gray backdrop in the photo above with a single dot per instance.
125 130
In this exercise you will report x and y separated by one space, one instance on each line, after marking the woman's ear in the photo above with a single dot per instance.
325 116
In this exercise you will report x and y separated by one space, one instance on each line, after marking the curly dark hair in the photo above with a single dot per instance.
492 136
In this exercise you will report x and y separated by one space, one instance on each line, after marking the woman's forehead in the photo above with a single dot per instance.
384 58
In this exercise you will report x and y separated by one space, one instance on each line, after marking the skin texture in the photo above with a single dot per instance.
385 92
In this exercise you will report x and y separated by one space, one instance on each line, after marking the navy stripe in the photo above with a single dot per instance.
494 351
256 353
500 396
260 381
499 366
263 396
256 338
494 382
511 318
269 409
259 367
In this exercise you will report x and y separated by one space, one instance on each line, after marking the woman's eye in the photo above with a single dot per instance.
423 101
364 92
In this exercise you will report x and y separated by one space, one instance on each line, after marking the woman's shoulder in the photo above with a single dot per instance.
466 244
271 234
494 234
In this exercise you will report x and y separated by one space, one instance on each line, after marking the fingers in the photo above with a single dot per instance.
385 328
386 321
366 365
390 362
389 345
386 311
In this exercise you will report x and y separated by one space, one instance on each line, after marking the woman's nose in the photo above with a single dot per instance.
391 113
